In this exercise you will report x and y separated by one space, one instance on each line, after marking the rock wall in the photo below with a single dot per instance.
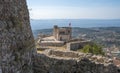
16 39
52 62
57 44
76 45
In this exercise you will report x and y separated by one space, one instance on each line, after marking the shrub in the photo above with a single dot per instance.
94 49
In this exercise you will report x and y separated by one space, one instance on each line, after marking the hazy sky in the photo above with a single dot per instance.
74 9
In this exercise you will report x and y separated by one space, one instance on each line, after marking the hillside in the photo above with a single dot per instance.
106 36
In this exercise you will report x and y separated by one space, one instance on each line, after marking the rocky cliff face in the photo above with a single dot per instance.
16 39
52 61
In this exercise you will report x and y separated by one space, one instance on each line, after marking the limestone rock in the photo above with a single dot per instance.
16 39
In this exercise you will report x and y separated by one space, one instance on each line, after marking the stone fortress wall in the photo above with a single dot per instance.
74 46
54 61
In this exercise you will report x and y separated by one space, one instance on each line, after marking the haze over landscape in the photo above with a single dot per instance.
82 23
74 9
80 13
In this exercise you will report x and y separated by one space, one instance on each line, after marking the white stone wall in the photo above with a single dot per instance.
74 46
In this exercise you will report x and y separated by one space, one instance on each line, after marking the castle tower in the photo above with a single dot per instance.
62 33
55 31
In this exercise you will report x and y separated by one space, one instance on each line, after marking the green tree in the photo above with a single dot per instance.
94 49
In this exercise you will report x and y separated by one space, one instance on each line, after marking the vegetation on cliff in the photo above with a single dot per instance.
94 49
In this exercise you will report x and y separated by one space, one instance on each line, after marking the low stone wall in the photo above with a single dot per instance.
51 44
63 54
84 63
74 46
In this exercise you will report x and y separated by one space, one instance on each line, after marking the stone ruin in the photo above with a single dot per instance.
55 61
59 37
62 33
18 53
62 36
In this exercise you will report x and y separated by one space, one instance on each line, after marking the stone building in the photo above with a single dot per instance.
62 33
59 37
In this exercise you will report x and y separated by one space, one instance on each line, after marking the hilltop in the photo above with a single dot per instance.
96 34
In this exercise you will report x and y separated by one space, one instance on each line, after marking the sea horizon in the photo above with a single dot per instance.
37 24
